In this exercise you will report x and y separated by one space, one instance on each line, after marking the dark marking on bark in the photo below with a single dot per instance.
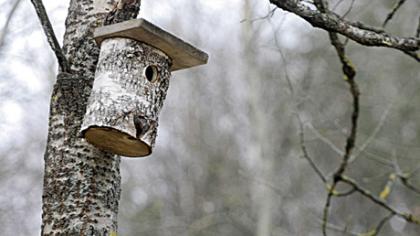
77 175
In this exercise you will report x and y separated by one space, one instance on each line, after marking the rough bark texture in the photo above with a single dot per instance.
356 31
81 183
122 112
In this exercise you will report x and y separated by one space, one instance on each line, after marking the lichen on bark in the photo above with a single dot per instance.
81 183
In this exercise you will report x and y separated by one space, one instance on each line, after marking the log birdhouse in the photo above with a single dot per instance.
131 81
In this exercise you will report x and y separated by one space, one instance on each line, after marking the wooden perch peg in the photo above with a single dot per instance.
131 82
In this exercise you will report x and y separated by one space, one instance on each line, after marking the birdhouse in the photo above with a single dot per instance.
131 81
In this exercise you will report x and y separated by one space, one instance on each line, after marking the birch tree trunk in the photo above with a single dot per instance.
81 183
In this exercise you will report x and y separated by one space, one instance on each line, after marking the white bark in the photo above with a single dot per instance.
82 184
122 95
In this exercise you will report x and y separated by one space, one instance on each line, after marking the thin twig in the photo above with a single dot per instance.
341 230
345 194
405 181
337 4
405 178
305 151
5 30
267 16
393 11
49 32
382 223
301 126
418 29
381 160
349 9
349 73
373 134
377 229
325 140
414 172
283 58
406 216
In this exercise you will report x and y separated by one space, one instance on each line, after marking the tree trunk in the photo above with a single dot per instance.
81 183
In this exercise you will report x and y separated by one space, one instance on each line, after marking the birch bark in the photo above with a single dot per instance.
122 112
81 183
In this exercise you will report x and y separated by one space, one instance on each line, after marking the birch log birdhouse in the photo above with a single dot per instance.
131 81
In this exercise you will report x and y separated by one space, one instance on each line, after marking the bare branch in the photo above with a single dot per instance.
350 8
5 30
406 216
369 36
373 134
379 159
382 223
393 11
350 74
377 229
418 29
405 178
345 194
326 210
301 125
333 23
267 16
325 140
405 181
343 230
337 5
305 151
49 32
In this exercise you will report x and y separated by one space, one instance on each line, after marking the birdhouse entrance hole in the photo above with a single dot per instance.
151 73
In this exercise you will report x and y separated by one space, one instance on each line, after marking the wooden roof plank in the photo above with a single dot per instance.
183 54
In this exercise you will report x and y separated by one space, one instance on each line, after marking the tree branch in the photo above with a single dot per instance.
382 223
377 229
373 134
349 73
405 181
3 33
305 151
404 177
333 23
406 216
393 11
324 139
369 36
49 32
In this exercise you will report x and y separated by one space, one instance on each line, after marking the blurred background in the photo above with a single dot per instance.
228 159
